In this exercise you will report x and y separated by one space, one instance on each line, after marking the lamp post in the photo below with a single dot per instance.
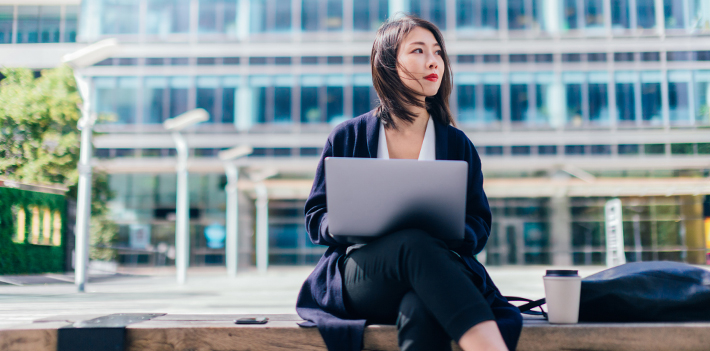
78 60
232 172
262 218
182 206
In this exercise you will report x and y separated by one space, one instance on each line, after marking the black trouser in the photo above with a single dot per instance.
413 280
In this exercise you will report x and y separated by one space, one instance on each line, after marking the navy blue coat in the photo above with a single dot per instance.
320 300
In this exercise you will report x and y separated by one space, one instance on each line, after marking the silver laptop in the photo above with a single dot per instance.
368 198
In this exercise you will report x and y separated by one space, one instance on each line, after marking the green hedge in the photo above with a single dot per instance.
28 258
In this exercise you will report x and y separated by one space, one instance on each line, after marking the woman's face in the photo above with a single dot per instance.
421 56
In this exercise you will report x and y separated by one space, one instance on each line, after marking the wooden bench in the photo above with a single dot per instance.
218 332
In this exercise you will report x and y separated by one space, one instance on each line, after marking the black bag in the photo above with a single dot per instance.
641 292
646 292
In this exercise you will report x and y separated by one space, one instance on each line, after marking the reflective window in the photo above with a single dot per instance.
477 14
270 16
491 99
179 88
679 97
674 13
598 97
466 98
368 15
700 14
651 97
431 10
282 104
7 15
625 102
523 15
620 14
544 97
334 99
594 13
217 16
154 103
518 102
167 16
71 18
362 103
570 15
645 14
310 109
322 15
573 98
28 24
206 94
119 16
116 97
702 97
229 97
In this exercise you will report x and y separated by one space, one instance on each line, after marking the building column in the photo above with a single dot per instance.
560 230
691 211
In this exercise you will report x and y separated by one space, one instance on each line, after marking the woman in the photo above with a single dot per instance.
433 293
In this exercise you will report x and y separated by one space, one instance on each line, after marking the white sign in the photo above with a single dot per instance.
139 236
614 233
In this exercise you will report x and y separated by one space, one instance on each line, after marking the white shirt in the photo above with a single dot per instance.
427 152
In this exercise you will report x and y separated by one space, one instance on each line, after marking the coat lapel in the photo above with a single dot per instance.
442 140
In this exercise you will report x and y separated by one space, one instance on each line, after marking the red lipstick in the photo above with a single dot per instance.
432 77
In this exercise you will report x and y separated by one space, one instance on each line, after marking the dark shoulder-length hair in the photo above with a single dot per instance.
393 94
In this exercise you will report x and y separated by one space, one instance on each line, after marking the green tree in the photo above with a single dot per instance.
39 141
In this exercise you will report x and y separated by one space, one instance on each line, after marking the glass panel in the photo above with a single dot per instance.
282 16
700 14
206 100
543 103
569 15
28 24
310 109
437 10
625 102
489 14
491 103
258 18
465 14
368 15
517 18
678 102
334 19
282 105
217 16
673 10
620 14
519 102
228 104
71 17
49 19
646 14
259 104
594 13
361 100
125 98
119 16
178 96
309 15
651 102
702 97
154 106
168 16
335 103
574 104
7 14
466 97
598 103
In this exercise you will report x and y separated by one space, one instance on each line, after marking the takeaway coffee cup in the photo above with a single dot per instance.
562 289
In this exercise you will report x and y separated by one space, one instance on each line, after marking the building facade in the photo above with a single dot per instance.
569 102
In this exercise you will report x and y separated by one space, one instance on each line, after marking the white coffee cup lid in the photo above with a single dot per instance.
561 273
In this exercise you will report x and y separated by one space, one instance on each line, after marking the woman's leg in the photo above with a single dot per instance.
417 327
377 276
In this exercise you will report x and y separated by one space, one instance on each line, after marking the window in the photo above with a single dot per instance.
594 13
543 58
601 149
628 149
217 16
571 57
49 23
322 15
466 98
654 149
702 97
682 149
466 58
154 61
335 60
651 97
116 97
310 60
362 103
494 150
270 16
598 98
620 14
334 106
625 102
430 10
518 58
206 93
361 60
544 101
522 15
228 104
71 17
520 150
678 56
491 103
154 106
547 150
491 58
673 11
624 56
477 14
282 60
679 97
570 15
282 104
650 56
119 16
179 61
167 16
28 24
7 15
573 97
596 57
257 60
127 61
368 15
645 13
519 102
230 61
206 61
574 150
179 87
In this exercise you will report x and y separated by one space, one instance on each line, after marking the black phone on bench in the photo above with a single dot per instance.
252 320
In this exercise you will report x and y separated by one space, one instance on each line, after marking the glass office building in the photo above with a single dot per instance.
569 103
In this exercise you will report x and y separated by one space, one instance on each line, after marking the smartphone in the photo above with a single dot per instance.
252 320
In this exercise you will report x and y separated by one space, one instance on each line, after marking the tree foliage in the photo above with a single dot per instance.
40 142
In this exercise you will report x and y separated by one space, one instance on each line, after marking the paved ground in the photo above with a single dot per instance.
208 291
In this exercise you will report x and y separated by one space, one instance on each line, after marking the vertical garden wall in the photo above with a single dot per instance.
32 231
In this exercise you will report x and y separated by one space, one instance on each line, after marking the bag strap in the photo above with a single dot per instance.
527 308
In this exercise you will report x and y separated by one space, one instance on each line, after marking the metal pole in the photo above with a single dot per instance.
182 220
262 228
232 243
83 211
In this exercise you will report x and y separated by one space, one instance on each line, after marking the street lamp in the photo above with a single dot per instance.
232 172
182 220
262 218
79 60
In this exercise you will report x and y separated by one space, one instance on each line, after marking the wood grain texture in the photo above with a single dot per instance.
30 337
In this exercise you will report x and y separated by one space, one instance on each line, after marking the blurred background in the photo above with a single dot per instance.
570 103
